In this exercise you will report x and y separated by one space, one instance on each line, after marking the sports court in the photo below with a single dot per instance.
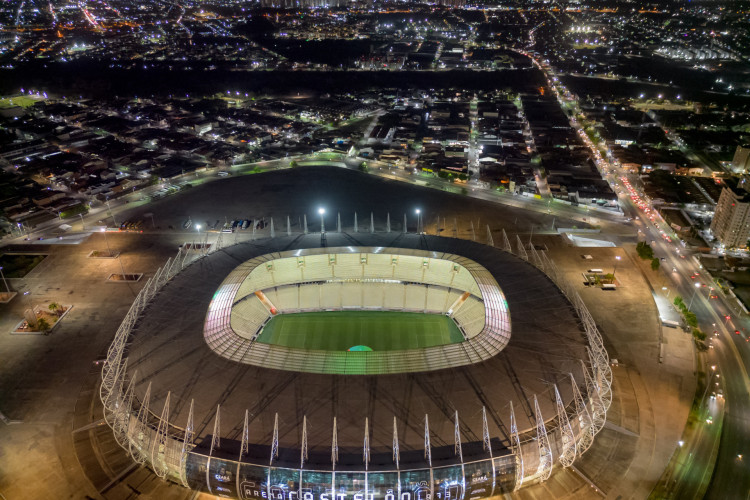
377 330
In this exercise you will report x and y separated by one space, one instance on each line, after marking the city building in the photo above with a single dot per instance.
731 224
741 160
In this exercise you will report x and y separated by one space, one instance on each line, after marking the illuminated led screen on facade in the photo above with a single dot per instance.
232 479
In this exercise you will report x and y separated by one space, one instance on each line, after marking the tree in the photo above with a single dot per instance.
679 302
655 264
42 325
644 250
363 167
293 164
699 334
54 307
691 319
462 177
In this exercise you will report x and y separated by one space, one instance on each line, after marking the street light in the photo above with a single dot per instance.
697 287
114 222
419 216
4 282
322 212
104 230
617 259
27 294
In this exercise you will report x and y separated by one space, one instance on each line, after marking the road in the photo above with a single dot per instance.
688 476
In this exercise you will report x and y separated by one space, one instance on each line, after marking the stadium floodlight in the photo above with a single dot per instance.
419 218
322 212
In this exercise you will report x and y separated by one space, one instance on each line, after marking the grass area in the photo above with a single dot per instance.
18 266
23 101
342 330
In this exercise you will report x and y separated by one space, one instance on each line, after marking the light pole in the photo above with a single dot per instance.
109 207
419 217
81 216
198 228
4 282
697 287
27 294
104 230
322 212
617 259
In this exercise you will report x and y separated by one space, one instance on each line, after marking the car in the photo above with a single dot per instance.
222 174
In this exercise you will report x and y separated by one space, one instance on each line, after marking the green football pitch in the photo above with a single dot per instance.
342 330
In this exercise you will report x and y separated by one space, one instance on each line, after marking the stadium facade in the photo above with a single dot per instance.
189 392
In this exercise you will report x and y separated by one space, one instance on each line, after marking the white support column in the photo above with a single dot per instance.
176 262
113 396
366 444
275 439
216 435
372 223
122 414
334 445
356 227
473 234
568 452
187 444
289 226
584 427
515 445
273 231
535 259
245 445
141 440
159 446
406 227
506 243
486 441
184 258
542 440
388 223
303 450
427 447
490 241
338 222
396 451
521 250
457 449
165 275
597 410
305 222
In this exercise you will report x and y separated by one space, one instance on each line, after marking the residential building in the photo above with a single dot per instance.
731 222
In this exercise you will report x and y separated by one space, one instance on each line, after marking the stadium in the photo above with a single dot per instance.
362 366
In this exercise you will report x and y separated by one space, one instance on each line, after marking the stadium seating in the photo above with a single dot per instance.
248 315
368 281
